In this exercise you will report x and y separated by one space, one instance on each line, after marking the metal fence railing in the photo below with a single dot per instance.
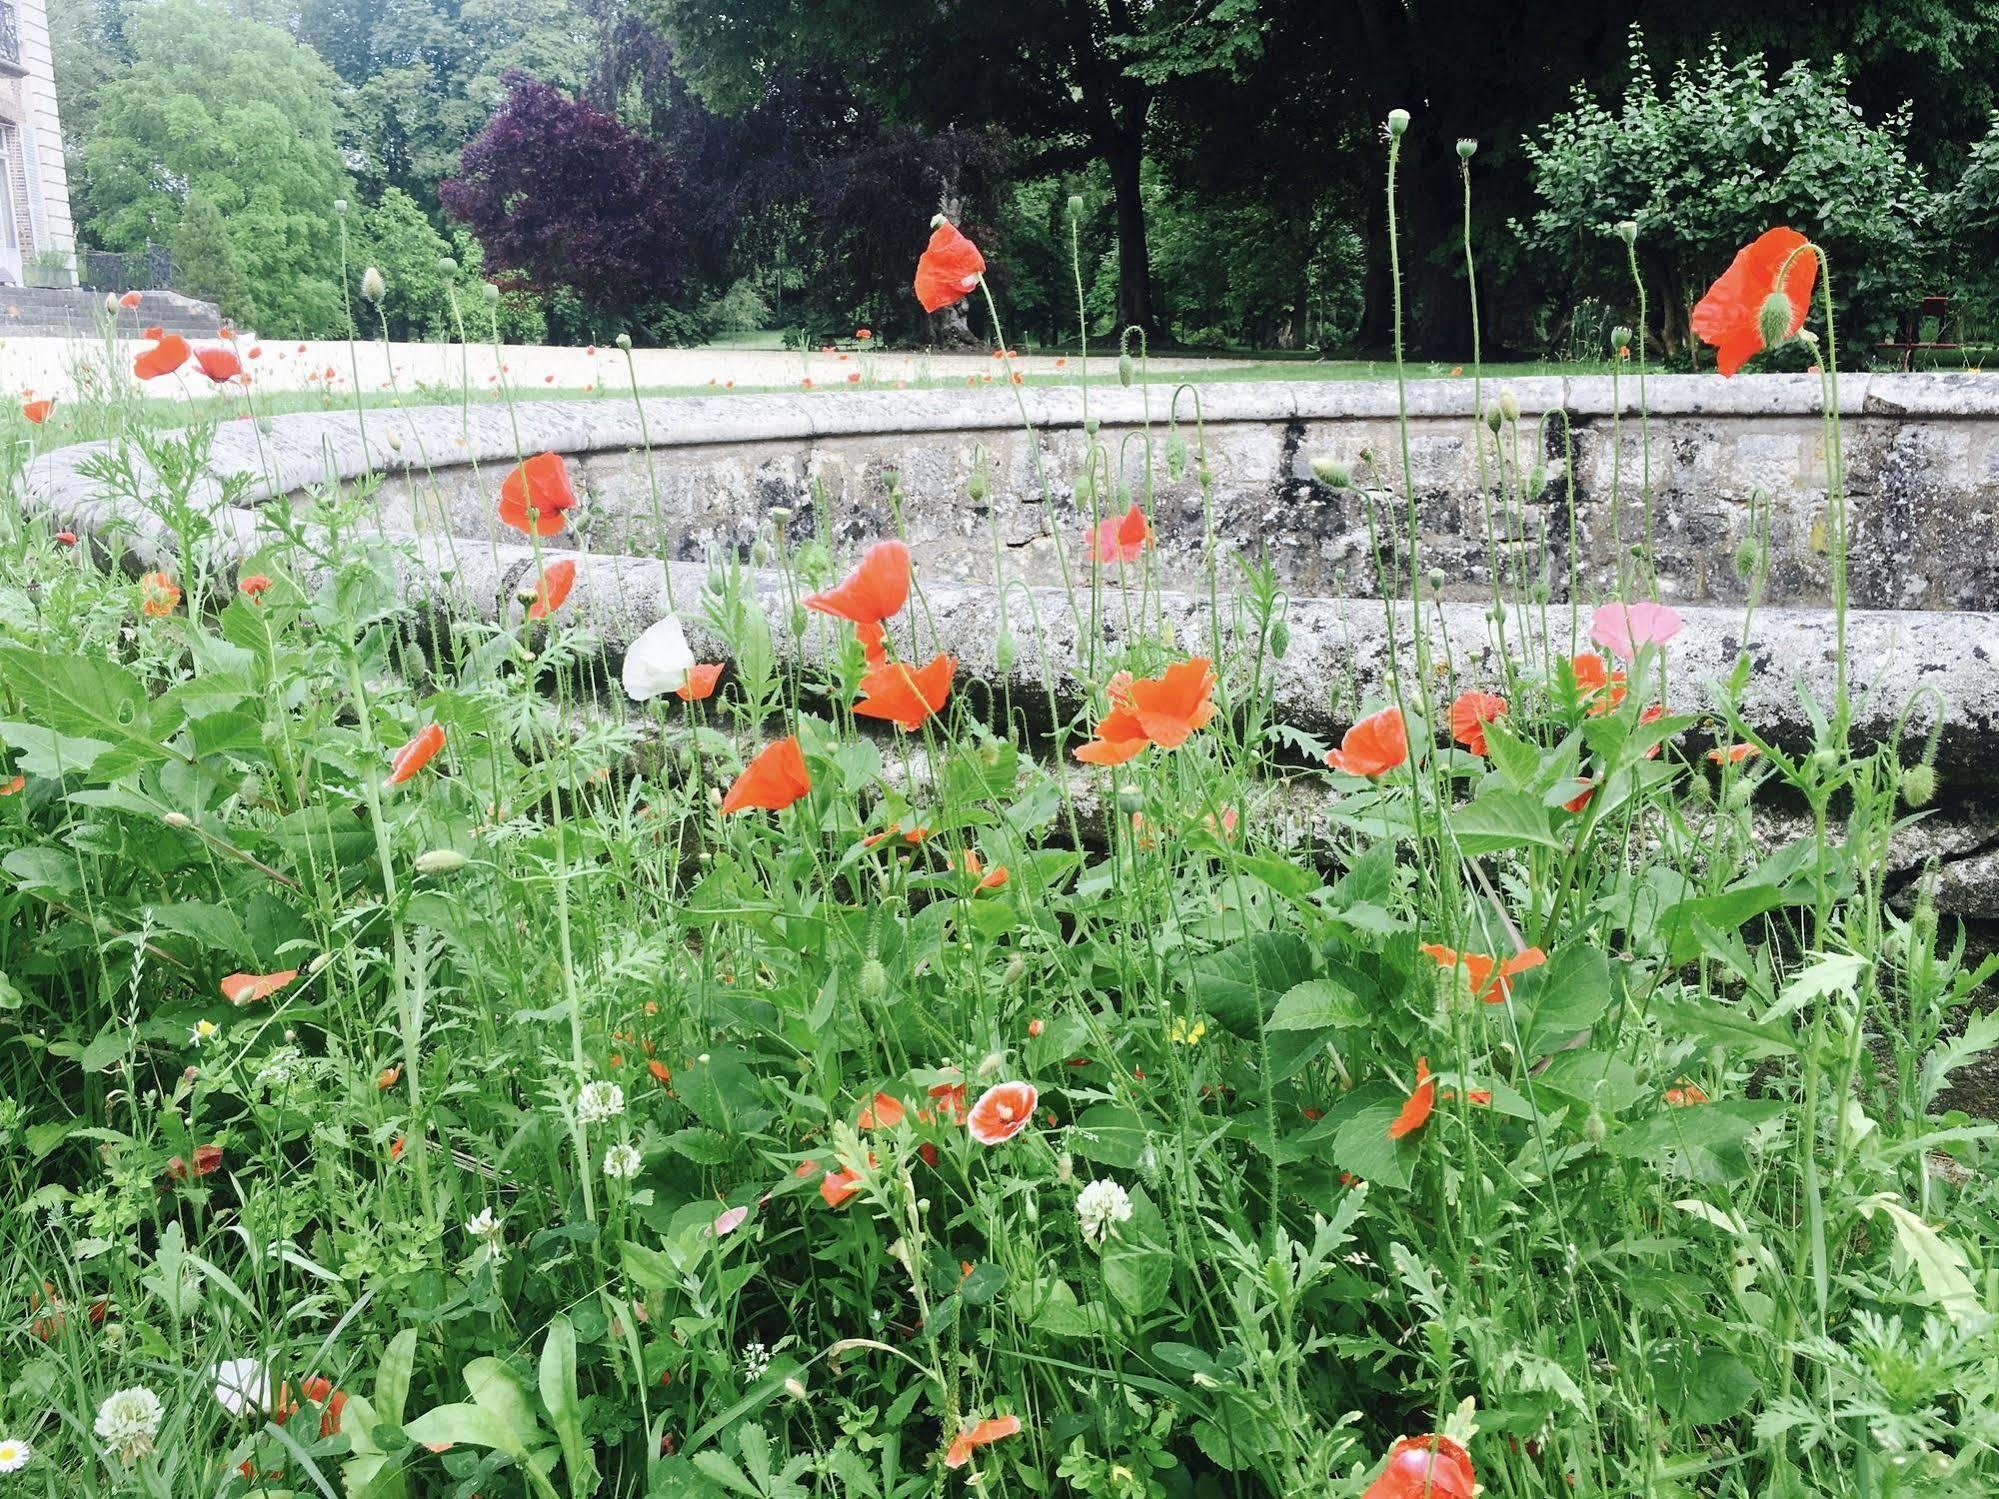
150 269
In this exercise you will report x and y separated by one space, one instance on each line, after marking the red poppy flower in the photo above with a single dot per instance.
863 334
1163 710
254 586
701 679
837 1186
1372 747
1120 538
556 581
874 643
1581 799
207 1158
659 1070
163 358
388 1077
1730 316
904 697
65 538
1486 984
1416 1108
413 756
131 299
907 834
965 1443
162 594
1652 715
883 1111
247 988
1469 716
1002 1112
534 496
877 588
772 781
989 879
950 1101
1425 1468
1734 754
1685 1096
948 269
1596 684
13 787
37 412
219 365
319 1390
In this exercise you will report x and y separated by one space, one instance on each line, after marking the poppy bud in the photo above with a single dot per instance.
800 623
1280 638
1740 793
395 440
1509 404
440 861
340 207
623 341
1176 455
1540 592
1075 205
1747 557
373 287
794 1387
1773 323
874 979
1398 122
976 486
176 820
489 291
1808 338
446 266
1594 1128
1035 1028
1086 486
1436 580
1065 1168
1620 338
1919 785
1091 427
319 962
1627 230
1492 415
1467 148
1003 651
938 221
1124 369
1331 473
1130 801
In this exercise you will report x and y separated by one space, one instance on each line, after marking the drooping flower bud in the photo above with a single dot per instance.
1919 785
977 487
373 287
1492 416
1398 122
1280 637
1176 454
874 979
1331 472
1125 367
440 861
1509 403
1773 323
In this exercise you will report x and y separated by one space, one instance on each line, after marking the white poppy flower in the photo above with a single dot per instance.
658 661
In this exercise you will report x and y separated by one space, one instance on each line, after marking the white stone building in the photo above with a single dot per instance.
37 239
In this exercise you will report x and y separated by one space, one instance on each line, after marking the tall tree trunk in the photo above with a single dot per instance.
1134 260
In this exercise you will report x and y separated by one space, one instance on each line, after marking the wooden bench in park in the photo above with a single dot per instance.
1909 340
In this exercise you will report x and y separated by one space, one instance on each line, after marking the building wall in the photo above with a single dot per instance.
32 169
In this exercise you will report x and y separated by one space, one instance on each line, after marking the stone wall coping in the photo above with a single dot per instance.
301 449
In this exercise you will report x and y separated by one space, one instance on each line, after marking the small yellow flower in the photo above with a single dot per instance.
1186 1032
204 1030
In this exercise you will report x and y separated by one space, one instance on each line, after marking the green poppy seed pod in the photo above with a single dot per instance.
440 861
1509 404
1467 148
489 291
1130 801
1620 338
1436 580
1919 785
1205 477
1003 649
874 980
446 266
1075 205
1627 230
1398 122
340 207
1091 427
1176 455
1125 368
1331 472
624 342
373 287
976 486
1280 638
1773 323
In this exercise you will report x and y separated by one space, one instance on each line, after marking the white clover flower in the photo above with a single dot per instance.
14 1455
1101 1205
204 1030
128 1420
621 1162
489 1231
242 1386
599 1102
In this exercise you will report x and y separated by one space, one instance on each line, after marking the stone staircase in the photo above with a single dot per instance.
70 312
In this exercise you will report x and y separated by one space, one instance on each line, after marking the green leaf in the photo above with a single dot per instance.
1940 1265
1567 995
1726 1026
1360 1136
1138 1278
88 697
565 1412
392 1376
1239 984
1318 1003
1499 820
1109 1135
1679 924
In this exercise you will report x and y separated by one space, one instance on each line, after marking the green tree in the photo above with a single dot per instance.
205 261
240 114
396 238
1711 158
